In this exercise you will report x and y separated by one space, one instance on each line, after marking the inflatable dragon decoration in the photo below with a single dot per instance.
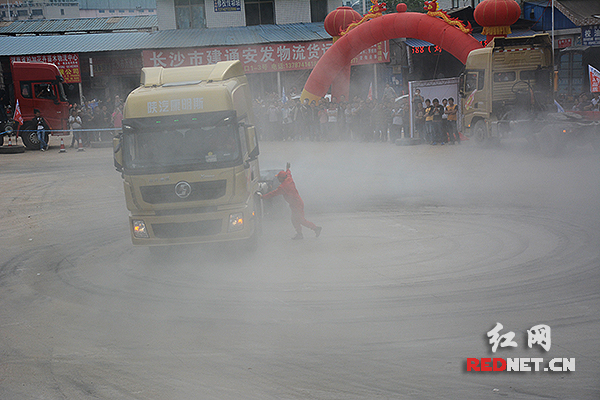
432 10
376 10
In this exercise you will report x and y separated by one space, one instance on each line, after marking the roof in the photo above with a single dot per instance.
79 25
116 4
176 38
579 12
58 44
235 36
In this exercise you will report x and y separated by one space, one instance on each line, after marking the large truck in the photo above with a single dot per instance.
36 86
508 89
188 154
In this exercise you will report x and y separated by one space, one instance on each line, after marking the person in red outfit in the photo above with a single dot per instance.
287 188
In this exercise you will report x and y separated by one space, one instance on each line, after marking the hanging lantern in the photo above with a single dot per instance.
496 17
339 19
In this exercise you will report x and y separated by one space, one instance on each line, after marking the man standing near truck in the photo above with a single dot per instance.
41 126
287 188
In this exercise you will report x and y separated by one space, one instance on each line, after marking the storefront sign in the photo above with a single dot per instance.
68 64
566 42
261 58
228 5
591 35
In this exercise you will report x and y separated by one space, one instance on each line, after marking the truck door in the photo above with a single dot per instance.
472 82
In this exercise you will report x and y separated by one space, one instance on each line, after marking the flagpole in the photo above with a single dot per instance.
553 30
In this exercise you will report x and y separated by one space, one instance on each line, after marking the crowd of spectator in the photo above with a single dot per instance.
435 123
583 102
95 121
331 120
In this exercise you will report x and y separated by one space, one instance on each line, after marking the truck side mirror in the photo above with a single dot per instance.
118 153
461 85
252 142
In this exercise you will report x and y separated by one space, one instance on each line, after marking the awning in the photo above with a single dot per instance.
481 38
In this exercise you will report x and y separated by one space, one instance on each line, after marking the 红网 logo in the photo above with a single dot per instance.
539 335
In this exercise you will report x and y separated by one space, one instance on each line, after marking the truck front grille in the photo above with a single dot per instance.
186 229
200 191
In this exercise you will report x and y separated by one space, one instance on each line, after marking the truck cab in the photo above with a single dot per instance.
506 84
39 86
188 154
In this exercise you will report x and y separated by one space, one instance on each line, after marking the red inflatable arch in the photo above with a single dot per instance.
390 26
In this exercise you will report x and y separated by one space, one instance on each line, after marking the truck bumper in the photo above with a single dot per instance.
190 228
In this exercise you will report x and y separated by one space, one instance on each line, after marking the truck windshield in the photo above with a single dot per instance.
181 143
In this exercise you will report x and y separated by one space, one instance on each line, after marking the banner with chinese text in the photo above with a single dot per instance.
228 5
590 35
261 58
68 64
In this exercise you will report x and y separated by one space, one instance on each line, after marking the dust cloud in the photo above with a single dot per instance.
342 177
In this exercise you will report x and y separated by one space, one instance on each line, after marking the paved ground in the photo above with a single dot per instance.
423 250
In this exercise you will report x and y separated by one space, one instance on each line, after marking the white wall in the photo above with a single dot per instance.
165 11
292 11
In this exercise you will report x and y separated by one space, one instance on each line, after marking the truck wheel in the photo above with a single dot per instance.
480 133
29 136
551 140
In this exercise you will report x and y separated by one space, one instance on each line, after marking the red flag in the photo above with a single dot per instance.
370 95
18 117
594 79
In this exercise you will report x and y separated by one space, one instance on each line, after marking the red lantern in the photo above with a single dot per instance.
496 16
339 19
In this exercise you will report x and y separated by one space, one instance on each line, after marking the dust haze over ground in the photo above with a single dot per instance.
423 250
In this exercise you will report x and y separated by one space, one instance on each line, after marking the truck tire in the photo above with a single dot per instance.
480 133
29 136
551 140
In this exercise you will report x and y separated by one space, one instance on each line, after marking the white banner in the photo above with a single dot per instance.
594 80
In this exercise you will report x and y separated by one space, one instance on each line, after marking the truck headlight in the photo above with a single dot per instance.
139 229
236 222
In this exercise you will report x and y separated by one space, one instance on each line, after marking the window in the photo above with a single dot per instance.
474 80
43 91
62 11
190 14
37 12
471 82
260 12
527 75
571 73
509 76
26 90
318 10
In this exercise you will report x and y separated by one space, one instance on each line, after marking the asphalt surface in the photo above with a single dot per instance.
424 249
